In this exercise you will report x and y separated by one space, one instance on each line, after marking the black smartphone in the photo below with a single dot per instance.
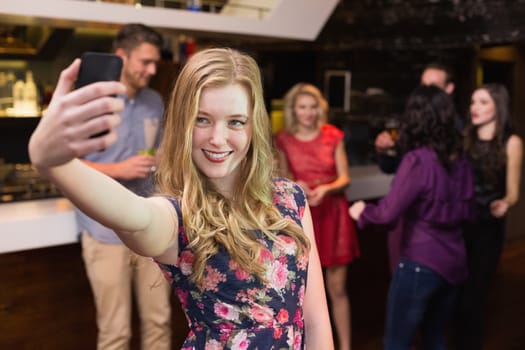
98 66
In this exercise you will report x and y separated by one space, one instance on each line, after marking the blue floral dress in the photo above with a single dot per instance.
236 310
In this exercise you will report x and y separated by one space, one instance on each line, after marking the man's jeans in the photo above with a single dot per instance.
418 300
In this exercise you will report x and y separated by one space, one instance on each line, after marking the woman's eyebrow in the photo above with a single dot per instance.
239 116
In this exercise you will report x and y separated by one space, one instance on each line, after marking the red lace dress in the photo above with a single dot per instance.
314 163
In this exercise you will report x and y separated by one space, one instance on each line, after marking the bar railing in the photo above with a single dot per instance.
236 7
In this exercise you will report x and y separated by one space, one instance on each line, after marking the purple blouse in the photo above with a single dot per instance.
433 204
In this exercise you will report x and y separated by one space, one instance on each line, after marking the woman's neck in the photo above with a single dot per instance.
225 186
487 131
307 133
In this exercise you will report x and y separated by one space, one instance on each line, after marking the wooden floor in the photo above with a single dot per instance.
505 313
506 307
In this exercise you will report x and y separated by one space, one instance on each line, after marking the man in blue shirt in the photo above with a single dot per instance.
114 271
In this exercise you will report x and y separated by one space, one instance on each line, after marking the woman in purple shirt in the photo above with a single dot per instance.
432 194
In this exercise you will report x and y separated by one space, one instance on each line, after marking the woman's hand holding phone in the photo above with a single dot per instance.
65 130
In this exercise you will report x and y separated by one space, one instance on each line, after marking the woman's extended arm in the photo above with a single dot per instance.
406 187
147 226
317 322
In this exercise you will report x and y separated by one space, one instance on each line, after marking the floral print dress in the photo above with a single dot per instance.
236 310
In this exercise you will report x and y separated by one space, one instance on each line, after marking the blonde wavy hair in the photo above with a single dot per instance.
211 220
290 120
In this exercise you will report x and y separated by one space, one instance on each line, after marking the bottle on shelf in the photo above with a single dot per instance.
18 95
30 94
4 94
10 82
25 98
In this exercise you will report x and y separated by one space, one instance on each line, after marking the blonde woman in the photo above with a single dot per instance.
237 245
312 153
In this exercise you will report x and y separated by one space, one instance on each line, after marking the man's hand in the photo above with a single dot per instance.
384 142
136 167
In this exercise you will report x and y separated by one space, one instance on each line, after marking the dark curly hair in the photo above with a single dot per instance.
491 156
428 120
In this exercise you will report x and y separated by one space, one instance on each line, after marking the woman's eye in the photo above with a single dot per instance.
201 120
237 122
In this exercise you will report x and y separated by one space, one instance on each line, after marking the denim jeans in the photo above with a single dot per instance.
418 300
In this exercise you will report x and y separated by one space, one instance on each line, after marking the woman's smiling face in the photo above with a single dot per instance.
222 134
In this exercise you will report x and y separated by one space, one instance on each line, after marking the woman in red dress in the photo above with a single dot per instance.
312 153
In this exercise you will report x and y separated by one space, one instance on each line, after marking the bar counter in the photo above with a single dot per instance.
37 224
